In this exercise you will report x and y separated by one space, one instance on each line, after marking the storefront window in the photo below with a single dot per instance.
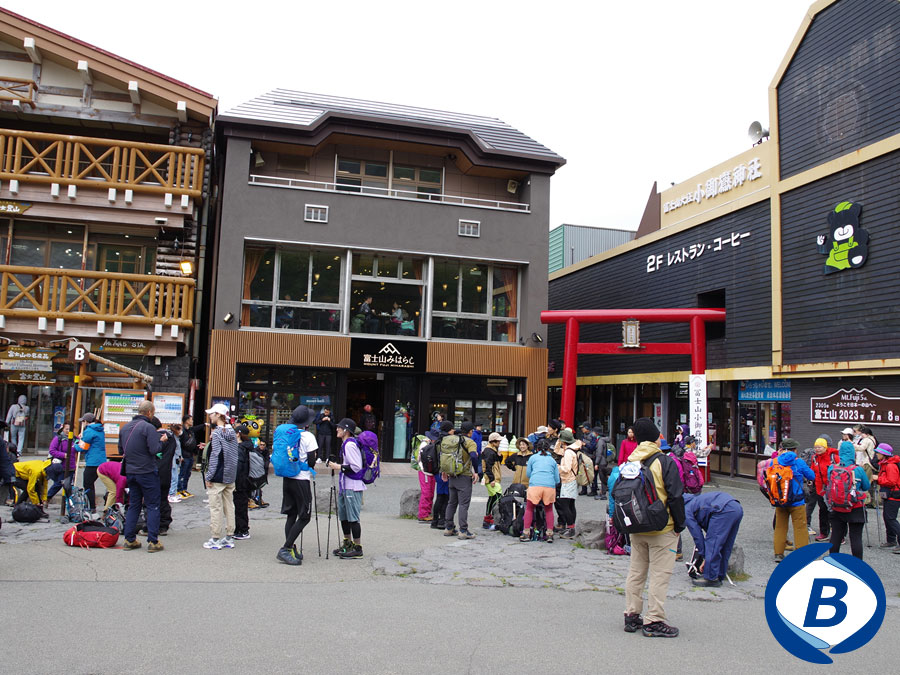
468 286
446 283
474 289
395 287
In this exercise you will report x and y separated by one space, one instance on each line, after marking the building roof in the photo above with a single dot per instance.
306 111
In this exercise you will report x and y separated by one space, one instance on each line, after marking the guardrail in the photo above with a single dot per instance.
15 89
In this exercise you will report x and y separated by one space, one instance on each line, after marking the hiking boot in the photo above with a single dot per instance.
583 492
549 538
599 497
154 546
659 629
568 533
779 557
822 537
241 535
286 555
592 493
213 544
343 548
297 554
465 534
789 546
451 532
525 536
485 525
252 505
707 582
888 544
633 622
131 545
435 525
354 551
426 519
679 557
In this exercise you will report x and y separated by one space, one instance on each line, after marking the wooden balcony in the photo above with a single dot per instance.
20 91
77 295
34 157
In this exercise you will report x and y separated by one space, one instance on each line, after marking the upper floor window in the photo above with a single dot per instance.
417 179
474 301
386 295
355 175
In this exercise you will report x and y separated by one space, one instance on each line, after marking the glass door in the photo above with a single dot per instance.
462 411
404 415
501 417
484 415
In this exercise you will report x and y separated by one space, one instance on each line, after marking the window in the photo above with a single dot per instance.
469 228
355 175
291 289
315 214
422 181
386 295
461 293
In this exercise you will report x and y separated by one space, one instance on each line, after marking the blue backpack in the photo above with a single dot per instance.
286 451
367 442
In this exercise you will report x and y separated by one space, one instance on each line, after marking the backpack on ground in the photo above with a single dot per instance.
78 509
367 442
638 507
509 506
841 494
91 534
286 451
777 484
26 512
452 461
585 474
430 458
691 474
259 468
615 541
114 518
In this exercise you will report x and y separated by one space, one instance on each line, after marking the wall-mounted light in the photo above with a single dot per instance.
187 268
228 318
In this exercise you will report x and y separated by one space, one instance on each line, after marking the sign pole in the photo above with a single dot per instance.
78 355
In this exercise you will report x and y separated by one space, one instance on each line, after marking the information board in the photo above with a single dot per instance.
863 406
169 407
118 408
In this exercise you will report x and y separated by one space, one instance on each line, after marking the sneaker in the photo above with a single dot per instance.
252 505
435 525
779 557
485 525
633 622
353 552
897 551
131 545
154 546
789 546
263 504
465 534
599 497
659 629
343 548
822 537
297 554
213 543
426 519
679 557
242 535
568 533
174 499
163 531
492 528
888 545
451 533
206 501
525 536
286 555
549 538
707 582
227 542
185 494
810 531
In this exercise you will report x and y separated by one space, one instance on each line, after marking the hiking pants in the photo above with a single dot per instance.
491 503
839 526
55 472
439 514
165 508
797 515
184 474
460 495
110 486
891 526
143 489
221 506
90 479
426 494
528 518
719 540
653 556
241 500
566 510
824 523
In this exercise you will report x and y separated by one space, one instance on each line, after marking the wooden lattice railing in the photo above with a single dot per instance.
96 296
99 162
14 89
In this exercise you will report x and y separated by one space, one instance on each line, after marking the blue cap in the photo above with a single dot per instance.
664 444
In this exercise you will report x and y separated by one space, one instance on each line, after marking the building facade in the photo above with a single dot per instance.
104 170
570 244
381 255
794 238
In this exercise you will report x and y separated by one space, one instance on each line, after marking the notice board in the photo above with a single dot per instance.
169 407
118 408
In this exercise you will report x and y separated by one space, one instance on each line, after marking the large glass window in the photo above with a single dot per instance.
461 292
291 289
355 175
386 295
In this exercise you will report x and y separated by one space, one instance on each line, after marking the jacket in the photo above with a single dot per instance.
889 478
324 427
33 473
7 470
139 444
93 435
625 450
848 458
568 466
58 447
800 470
166 456
865 450
222 456
820 464
699 509
18 408
190 438
669 487
492 463
113 471
476 461
542 470
518 464
242 475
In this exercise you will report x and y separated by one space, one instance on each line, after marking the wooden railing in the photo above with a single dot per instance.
96 296
14 89
36 157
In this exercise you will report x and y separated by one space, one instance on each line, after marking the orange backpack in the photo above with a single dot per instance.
778 484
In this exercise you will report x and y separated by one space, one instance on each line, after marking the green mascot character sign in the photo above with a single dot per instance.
849 246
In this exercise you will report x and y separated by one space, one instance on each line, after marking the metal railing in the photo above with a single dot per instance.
392 193
36 157
95 296
15 89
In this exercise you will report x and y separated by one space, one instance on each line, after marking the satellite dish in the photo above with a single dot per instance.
756 132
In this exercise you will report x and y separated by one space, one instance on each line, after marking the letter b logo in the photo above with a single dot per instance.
79 353
817 600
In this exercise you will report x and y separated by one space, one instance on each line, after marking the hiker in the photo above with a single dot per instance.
220 477
177 459
823 457
441 494
192 444
543 475
652 553
31 481
296 490
93 437
110 474
602 468
784 486
241 495
59 451
166 459
849 510
627 446
492 462
713 519
17 420
324 432
889 481
568 490
426 481
138 444
350 489
7 470
457 457
518 461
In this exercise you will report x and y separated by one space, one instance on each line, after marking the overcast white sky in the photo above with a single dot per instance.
628 92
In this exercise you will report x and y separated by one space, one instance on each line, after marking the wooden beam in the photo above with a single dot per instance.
645 348
123 369
33 52
85 72
182 111
134 92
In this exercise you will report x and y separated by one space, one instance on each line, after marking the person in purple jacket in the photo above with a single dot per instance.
57 469
349 499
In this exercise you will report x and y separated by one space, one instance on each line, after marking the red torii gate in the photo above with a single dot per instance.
573 347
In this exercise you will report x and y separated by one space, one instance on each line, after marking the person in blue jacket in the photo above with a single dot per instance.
855 519
713 519
543 476
795 511
92 436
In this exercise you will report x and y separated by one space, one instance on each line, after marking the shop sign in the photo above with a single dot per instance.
855 405
727 181
765 390
27 359
315 400
694 251
123 347
396 355
32 377
847 243
12 208
697 402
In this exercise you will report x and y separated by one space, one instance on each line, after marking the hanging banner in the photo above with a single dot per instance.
855 405
697 412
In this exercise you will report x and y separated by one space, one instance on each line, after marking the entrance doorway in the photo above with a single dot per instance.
366 389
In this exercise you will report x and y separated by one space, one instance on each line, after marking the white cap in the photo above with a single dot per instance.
542 430
219 408
848 431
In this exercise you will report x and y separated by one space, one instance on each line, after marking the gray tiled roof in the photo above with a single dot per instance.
283 107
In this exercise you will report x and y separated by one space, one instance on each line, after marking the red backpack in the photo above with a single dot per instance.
91 534
841 494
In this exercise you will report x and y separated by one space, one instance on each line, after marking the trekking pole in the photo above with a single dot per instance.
877 522
328 534
868 538
316 511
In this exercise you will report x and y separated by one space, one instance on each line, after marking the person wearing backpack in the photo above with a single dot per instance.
350 490
426 480
568 489
518 462
602 469
543 476
294 444
492 463
889 481
783 482
653 552
242 487
713 519
823 457
93 437
845 493
458 455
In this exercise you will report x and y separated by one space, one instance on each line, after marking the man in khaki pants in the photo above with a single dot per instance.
220 477
653 553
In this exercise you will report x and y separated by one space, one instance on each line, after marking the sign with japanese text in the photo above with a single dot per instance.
687 253
855 405
726 181
12 208
765 390
27 359
395 355
697 418
31 377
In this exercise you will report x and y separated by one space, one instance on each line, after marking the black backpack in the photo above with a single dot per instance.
510 507
430 458
26 512
638 507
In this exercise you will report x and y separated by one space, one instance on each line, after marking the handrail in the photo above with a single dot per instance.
96 296
392 193
17 89
39 157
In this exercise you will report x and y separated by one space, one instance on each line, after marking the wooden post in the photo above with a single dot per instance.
76 407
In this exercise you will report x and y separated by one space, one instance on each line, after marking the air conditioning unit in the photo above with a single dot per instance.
512 186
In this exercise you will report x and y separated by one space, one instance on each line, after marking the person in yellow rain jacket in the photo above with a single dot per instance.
31 477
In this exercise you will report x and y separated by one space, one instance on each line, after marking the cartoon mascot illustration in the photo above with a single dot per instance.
255 425
849 246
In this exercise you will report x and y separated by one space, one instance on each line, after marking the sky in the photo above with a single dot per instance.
629 93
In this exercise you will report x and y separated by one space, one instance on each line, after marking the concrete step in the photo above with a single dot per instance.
720 482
